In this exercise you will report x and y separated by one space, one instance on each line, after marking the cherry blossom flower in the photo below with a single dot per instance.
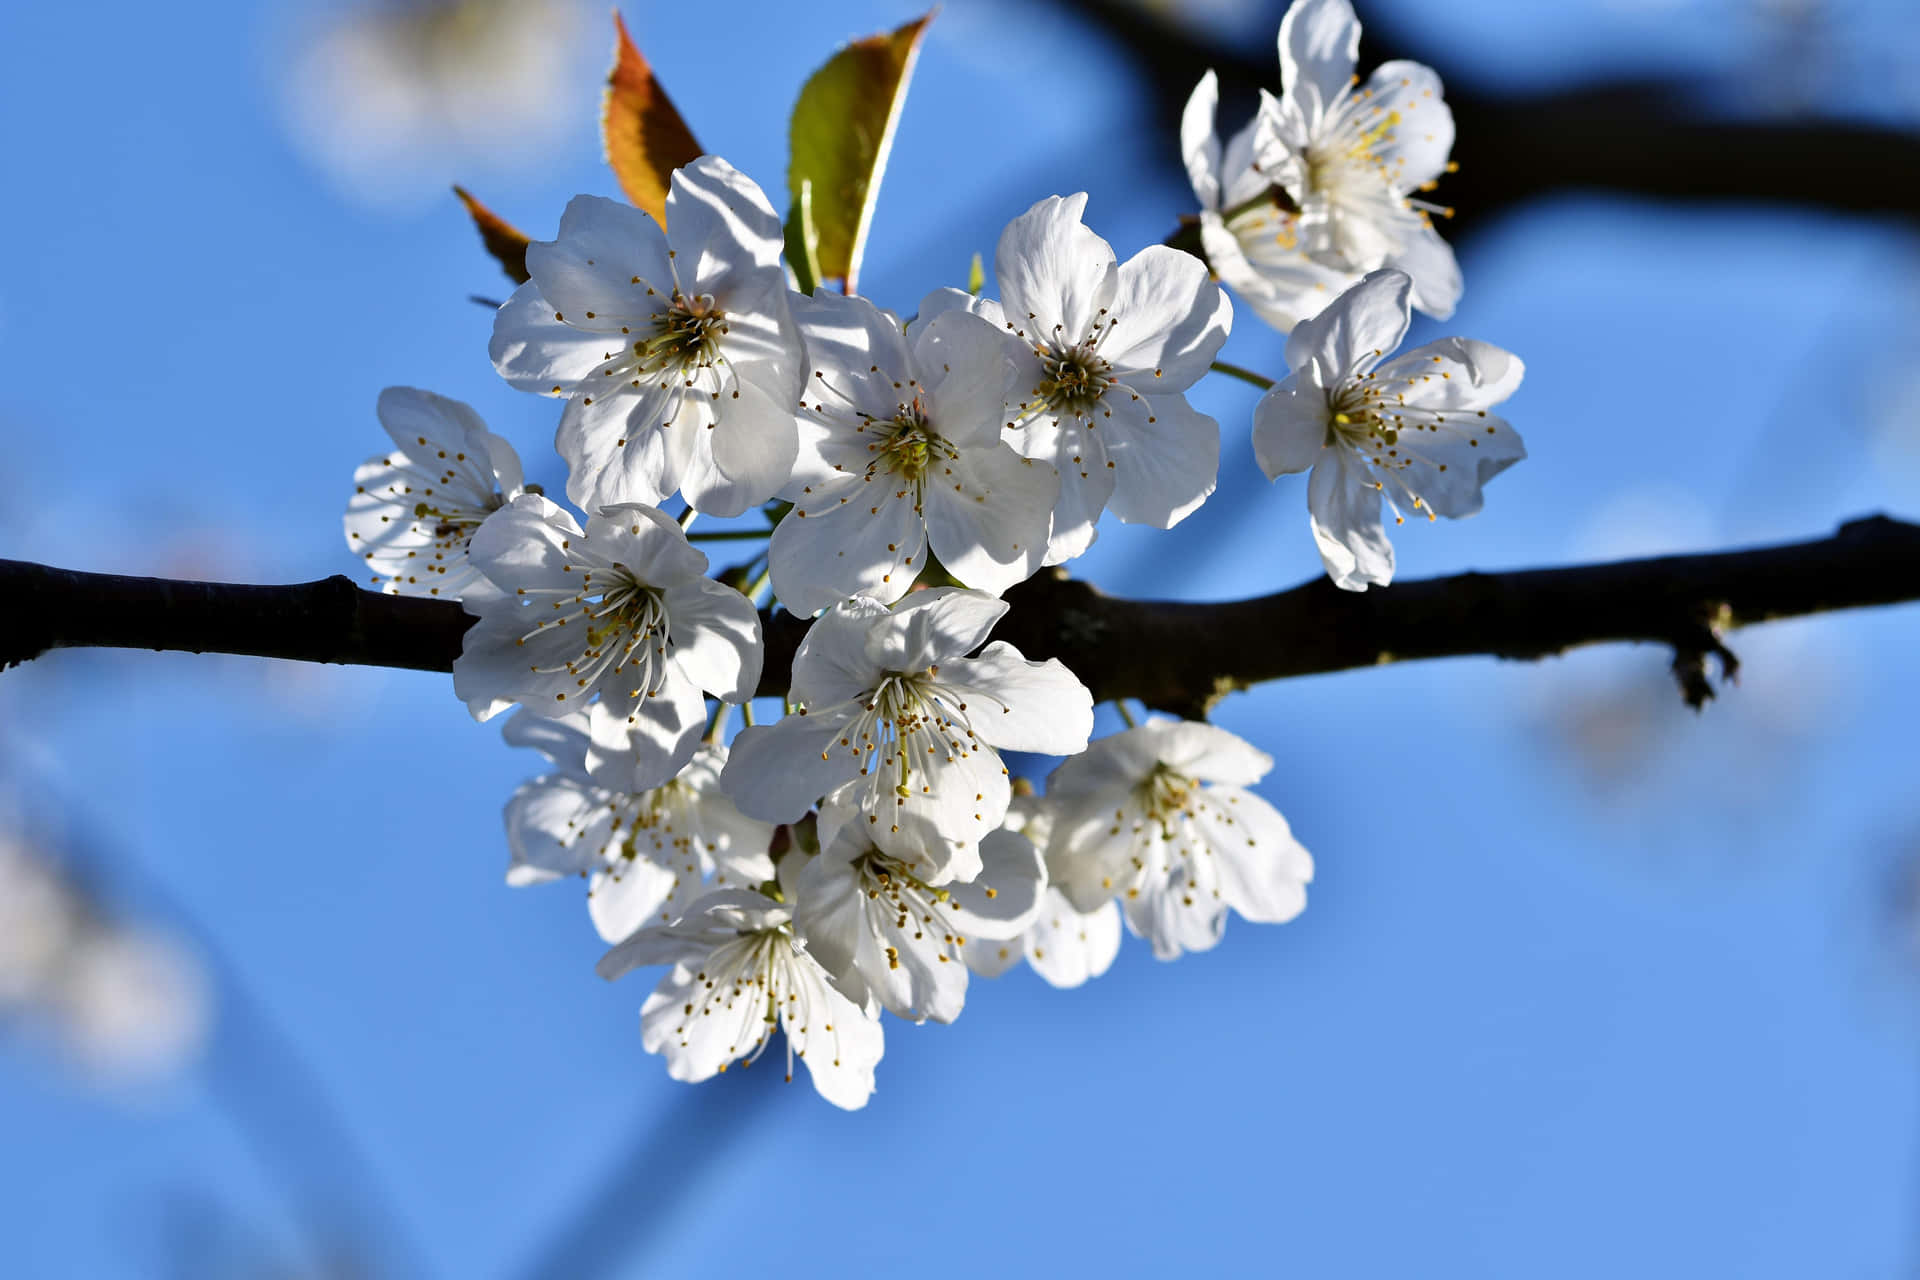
901 448
1065 946
1160 815
413 511
618 612
738 970
894 720
1351 155
675 350
884 932
1104 351
1249 227
645 851
1414 429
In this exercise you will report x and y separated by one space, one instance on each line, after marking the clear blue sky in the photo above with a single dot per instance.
1587 986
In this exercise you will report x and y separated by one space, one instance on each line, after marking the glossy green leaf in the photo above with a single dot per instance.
841 132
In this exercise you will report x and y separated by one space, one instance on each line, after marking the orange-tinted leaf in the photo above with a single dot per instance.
506 242
645 137
841 132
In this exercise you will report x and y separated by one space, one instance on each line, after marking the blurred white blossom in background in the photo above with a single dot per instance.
126 1003
396 100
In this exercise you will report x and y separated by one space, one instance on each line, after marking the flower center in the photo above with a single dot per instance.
686 335
1165 795
1073 380
627 629
909 447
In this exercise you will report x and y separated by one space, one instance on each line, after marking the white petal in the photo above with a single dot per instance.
716 638
754 443
1019 705
645 541
1420 136
615 449
556 826
628 893
647 739
1436 274
1319 44
1356 329
1345 516
725 232
933 627
775 772
1199 144
1004 898
835 1037
590 265
561 739
1169 321
1206 752
725 1024
535 351
988 518
1067 947
831 666
1054 273
1166 459
873 544
1290 427
1263 870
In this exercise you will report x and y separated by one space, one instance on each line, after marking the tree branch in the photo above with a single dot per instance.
1176 657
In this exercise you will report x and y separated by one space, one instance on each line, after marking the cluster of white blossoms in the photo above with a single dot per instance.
868 850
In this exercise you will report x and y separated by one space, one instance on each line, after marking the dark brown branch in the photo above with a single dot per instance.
1177 657
1639 136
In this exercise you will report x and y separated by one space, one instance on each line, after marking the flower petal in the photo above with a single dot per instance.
1319 45
1344 507
1019 705
1166 459
1356 329
1290 427
1169 321
1054 273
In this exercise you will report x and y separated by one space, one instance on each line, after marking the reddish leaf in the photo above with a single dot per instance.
645 137
503 240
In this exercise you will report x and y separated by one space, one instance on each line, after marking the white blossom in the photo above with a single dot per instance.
884 932
1249 227
895 721
617 615
901 447
1160 816
1350 156
738 970
1104 352
1414 429
675 350
645 850
1065 946
414 511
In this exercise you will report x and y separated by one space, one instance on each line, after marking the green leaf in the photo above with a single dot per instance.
841 131
645 138
976 277
803 241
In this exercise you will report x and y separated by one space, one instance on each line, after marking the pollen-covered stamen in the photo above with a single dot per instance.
1373 419
909 448
906 723
684 348
1073 379
627 634
1166 797
898 901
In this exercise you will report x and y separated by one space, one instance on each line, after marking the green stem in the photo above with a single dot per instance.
717 722
1245 375
1120 705
686 519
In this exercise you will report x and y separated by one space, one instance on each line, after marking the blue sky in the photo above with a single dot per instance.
1587 985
